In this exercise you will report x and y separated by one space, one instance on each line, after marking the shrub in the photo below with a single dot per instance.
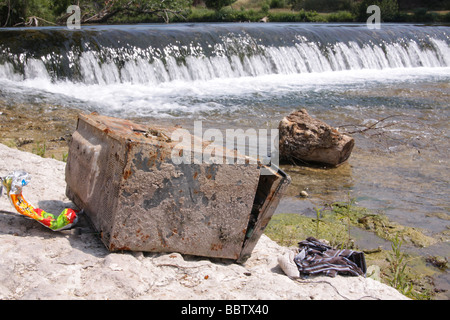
265 8
445 17
321 5
301 16
218 4
341 16
388 8
422 15
274 4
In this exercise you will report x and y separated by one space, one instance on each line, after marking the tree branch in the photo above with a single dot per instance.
112 8
33 21
9 12
372 126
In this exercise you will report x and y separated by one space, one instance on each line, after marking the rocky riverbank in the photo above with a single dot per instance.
44 130
37 263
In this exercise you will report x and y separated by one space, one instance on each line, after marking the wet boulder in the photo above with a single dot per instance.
308 140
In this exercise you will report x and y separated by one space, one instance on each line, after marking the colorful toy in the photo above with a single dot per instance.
13 184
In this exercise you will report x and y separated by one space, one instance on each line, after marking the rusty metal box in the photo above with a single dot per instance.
122 174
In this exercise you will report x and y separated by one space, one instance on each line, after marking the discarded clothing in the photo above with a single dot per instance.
316 257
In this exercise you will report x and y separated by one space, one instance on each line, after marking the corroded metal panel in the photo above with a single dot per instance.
121 173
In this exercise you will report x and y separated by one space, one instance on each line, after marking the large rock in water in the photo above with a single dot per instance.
303 138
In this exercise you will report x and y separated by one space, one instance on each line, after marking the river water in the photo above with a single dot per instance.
251 76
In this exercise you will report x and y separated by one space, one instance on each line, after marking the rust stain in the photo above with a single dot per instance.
127 174
270 195
112 247
129 145
195 174
216 246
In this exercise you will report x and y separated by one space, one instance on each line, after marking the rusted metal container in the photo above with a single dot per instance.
122 174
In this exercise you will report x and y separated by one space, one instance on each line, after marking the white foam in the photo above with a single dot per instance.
177 95
146 82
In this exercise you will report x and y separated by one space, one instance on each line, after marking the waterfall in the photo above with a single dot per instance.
156 54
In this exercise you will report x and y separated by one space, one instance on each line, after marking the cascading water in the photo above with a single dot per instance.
181 70
153 55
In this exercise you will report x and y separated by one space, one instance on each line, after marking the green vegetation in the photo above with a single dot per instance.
388 8
51 12
399 279
288 229
218 4
410 274
334 222
40 149
45 12
228 14
322 5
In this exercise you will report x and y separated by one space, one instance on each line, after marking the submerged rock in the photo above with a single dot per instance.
310 140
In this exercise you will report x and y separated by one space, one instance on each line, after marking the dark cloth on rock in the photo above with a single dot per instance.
316 257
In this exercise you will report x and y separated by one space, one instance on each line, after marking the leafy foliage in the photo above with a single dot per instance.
218 4
389 10
50 12
321 5
20 12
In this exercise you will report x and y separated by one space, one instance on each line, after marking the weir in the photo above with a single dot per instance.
155 54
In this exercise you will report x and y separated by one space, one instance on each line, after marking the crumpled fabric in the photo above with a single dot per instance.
316 257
